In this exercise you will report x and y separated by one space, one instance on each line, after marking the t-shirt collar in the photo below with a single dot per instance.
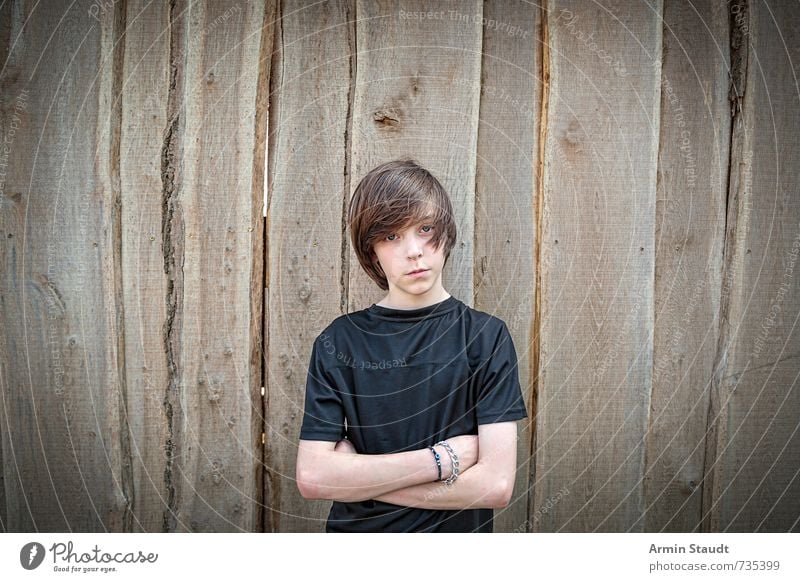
434 310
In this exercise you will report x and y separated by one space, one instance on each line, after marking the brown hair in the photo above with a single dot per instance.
391 197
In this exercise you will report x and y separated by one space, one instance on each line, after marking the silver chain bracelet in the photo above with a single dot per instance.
454 460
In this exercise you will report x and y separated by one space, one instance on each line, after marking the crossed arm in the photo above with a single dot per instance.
327 470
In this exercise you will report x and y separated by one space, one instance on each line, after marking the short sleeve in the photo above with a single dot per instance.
323 416
499 397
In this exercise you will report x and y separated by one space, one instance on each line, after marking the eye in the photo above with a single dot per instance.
389 238
430 226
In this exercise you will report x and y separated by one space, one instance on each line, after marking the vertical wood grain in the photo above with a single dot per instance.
145 82
309 97
211 219
62 392
754 453
690 218
507 180
597 259
5 438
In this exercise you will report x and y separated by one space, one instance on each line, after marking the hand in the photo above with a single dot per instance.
466 447
344 446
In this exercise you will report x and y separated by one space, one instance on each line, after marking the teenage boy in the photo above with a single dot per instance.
410 407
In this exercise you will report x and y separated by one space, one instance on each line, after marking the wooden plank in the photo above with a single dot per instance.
506 185
211 251
146 77
754 457
417 95
690 219
62 394
311 81
597 261
5 46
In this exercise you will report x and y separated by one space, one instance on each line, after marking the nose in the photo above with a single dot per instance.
414 248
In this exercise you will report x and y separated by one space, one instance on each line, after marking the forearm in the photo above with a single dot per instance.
477 487
354 477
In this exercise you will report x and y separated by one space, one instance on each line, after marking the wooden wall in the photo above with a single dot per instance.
173 184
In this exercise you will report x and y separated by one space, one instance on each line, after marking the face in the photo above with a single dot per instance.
406 251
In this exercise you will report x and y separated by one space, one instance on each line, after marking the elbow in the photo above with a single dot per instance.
307 490
315 485
307 484
316 491
503 491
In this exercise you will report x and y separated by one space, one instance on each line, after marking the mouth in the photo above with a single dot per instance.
418 271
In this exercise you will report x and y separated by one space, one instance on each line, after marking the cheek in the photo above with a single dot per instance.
438 253
382 255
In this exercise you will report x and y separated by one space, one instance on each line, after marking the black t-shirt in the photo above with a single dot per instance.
405 379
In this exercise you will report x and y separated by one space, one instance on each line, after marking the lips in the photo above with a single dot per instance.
417 271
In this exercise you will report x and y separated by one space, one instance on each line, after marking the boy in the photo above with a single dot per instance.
427 386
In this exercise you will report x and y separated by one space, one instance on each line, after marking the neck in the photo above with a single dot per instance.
396 301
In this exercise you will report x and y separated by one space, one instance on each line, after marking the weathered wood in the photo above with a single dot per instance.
754 456
690 218
211 222
417 95
597 259
5 45
146 77
652 238
62 395
259 297
506 185
310 89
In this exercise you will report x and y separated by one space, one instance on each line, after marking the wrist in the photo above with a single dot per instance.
437 459
446 460
431 471
454 462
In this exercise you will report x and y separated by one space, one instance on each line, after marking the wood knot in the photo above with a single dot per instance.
14 197
216 472
387 118
572 135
